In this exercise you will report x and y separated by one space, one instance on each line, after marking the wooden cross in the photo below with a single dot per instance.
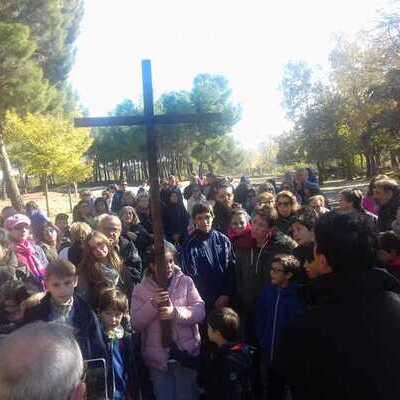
150 121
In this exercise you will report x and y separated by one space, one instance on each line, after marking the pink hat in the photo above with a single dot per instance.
15 220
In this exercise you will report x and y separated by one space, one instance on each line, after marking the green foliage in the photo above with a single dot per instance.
205 143
354 117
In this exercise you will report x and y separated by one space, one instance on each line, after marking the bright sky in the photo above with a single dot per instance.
249 42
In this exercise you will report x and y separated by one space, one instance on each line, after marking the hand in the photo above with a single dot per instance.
161 298
167 312
131 235
221 302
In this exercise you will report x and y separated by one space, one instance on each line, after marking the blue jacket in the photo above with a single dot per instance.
208 258
276 309
121 366
88 331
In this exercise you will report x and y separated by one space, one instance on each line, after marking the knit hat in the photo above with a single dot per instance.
15 220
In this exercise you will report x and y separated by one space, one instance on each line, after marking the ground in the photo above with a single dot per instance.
59 201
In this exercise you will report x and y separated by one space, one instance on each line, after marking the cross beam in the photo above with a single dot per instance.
149 120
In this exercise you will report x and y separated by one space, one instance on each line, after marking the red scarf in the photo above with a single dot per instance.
242 239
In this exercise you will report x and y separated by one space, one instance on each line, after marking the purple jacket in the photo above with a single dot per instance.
185 331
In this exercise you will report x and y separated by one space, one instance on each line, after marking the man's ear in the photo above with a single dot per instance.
76 281
79 392
323 265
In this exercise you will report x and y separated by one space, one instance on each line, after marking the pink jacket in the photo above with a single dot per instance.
185 331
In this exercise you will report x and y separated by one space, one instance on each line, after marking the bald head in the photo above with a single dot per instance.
40 361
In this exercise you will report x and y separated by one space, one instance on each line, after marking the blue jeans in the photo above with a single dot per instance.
175 383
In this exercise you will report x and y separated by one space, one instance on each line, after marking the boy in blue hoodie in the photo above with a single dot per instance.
277 307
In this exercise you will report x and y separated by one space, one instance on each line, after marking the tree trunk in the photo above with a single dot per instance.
11 184
46 193
70 199
75 184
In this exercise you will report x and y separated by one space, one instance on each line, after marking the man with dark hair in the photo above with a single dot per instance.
387 196
224 207
346 346
116 203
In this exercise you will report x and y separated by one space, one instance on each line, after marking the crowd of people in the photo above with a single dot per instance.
271 293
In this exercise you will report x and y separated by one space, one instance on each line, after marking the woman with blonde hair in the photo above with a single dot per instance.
133 230
100 268
287 206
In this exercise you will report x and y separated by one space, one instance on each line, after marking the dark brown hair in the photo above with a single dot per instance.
113 299
226 321
268 213
289 263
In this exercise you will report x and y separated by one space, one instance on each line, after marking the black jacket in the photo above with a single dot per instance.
87 327
224 372
387 214
133 269
347 345
143 238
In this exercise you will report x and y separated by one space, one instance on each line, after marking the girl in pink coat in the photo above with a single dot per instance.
182 305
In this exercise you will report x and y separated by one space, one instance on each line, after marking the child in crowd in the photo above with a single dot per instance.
47 240
389 252
239 232
83 213
79 231
29 255
121 364
318 204
208 258
303 233
64 238
225 369
63 305
277 306
181 305
12 295
100 268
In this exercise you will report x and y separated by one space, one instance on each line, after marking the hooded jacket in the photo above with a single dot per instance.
346 346
276 309
189 313
253 268
209 260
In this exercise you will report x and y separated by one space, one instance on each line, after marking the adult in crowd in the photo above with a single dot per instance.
117 198
101 206
107 195
82 212
368 202
133 230
6 212
194 182
211 186
242 190
173 185
164 191
37 217
128 199
28 254
144 212
224 208
349 337
41 361
175 219
86 195
197 197
387 196
79 232
111 227
350 200
209 260
304 187
287 206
